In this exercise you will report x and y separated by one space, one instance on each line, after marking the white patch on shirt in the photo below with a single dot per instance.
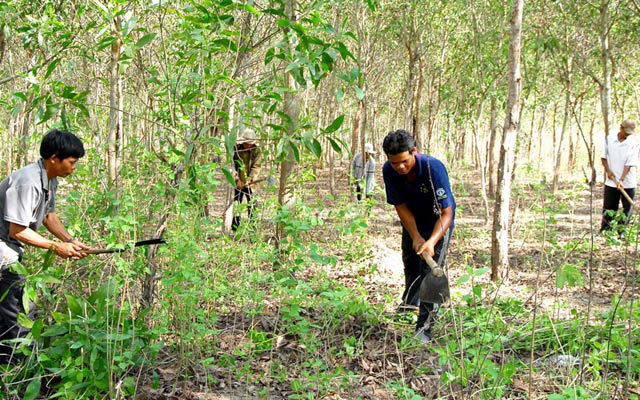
441 193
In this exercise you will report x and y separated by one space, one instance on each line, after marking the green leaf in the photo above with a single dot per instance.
317 148
464 278
145 39
296 152
283 23
335 125
314 146
25 321
36 329
269 55
229 176
33 389
359 93
335 145
230 143
51 67
568 275
74 305
481 271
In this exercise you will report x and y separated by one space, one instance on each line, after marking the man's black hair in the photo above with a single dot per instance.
62 144
397 142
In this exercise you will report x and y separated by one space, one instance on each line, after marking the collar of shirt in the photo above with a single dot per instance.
44 179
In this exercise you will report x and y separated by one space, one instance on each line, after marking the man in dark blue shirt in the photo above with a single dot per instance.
418 186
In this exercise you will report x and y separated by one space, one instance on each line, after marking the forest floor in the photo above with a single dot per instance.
361 357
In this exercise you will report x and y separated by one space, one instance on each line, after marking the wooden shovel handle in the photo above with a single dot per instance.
629 199
435 269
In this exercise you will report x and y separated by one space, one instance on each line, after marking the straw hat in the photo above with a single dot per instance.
248 136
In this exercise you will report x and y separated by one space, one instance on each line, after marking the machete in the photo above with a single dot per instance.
136 244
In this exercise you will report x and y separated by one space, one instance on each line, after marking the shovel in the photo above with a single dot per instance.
435 285
136 244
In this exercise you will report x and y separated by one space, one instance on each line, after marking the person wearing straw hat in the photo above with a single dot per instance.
364 171
619 159
246 161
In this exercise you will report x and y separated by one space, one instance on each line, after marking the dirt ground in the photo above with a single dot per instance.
572 220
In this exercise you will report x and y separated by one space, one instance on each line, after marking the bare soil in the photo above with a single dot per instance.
537 248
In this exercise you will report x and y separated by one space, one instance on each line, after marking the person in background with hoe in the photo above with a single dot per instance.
619 159
418 186
363 171
246 161
28 201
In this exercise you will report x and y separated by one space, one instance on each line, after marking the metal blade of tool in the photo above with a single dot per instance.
147 242
434 287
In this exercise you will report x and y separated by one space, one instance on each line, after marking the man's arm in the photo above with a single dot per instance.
54 225
442 225
28 236
608 171
625 171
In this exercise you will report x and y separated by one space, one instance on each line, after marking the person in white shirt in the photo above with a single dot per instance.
619 159
364 173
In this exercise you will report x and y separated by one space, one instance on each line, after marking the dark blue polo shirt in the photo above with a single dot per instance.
429 192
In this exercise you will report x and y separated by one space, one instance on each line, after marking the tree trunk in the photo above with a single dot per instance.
558 155
483 180
114 102
541 134
291 108
493 128
355 129
499 239
605 87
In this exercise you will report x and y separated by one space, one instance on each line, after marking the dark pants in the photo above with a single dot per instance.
358 192
611 200
238 194
415 268
11 290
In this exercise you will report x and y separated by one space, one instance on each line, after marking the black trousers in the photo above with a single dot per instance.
415 268
358 192
11 291
611 201
238 195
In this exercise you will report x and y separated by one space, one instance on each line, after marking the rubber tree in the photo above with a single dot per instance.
500 231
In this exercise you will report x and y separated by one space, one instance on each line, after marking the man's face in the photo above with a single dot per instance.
403 162
64 167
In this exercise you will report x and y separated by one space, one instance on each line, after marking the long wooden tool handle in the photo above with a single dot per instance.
103 251
629 199
435 269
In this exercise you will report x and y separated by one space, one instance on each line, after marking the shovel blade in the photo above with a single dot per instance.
434 289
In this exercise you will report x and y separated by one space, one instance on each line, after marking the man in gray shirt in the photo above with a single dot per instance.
27 201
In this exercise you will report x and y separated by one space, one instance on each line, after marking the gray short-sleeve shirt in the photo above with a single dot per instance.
26 197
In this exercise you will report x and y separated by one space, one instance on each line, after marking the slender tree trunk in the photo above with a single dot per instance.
541 134
499 242
114 103
483 180
558 155
605 87
417 98
292 109
493 128
355 130
531 131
